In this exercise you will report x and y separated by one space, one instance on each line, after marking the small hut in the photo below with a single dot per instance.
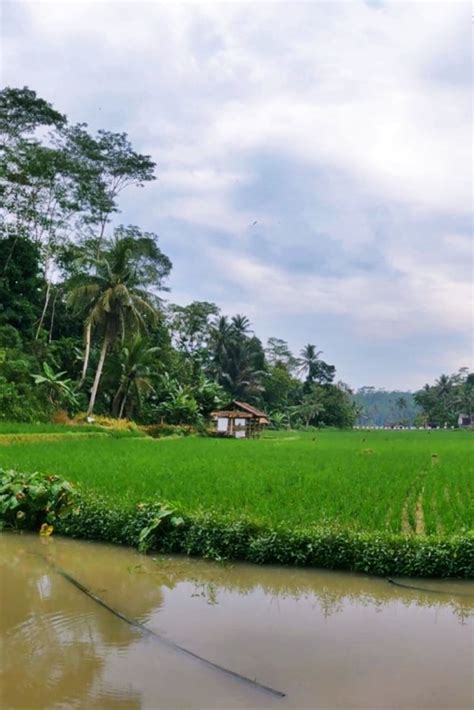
465 421
242 421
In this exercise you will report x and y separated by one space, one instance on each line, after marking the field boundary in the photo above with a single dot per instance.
6 439
216 537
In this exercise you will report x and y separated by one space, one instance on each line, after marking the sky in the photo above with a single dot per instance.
313 160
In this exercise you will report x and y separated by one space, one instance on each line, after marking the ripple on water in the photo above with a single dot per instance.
324 638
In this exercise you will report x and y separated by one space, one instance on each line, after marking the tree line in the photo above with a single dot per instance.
447 398
84 323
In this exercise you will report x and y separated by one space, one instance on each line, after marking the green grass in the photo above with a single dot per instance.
365 481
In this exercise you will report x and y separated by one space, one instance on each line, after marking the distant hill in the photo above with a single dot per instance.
382 408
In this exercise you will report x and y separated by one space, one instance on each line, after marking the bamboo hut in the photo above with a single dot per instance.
242 421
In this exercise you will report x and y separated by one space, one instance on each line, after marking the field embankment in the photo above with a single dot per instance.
384 502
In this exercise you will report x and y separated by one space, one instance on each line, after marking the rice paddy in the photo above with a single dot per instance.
413 482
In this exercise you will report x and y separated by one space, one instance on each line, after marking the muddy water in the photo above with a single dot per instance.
327 640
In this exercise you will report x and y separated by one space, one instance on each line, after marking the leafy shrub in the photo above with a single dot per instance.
157 526
19 402
29 500
142 526
10 337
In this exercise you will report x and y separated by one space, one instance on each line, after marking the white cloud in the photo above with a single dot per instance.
352 94
337 83
410 300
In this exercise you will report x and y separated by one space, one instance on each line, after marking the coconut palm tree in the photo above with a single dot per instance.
243 370
241 325
309 408
221 333
402 406
111 294
308 361
137 368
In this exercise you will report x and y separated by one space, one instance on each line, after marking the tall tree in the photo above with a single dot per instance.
402 406
111 292
106 164
191 326
309 357
22 112
278 354
447 398
241 325
21 283
220 340
315 369
244 367
138 366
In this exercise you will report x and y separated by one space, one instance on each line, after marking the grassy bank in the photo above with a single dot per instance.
221 537
377 502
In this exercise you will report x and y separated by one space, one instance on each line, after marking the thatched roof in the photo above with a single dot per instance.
252 410
242 411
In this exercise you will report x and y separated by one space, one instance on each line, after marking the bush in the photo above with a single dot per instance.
10 337
219 538
20 402
29 500
60 416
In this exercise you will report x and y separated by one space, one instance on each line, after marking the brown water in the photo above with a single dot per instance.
325 639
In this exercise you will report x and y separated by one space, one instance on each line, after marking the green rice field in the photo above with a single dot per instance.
414 482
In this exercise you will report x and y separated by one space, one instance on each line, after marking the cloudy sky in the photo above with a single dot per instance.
313 160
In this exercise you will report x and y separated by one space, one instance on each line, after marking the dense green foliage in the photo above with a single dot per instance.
82 326
221 537
397 482
450 396
28 501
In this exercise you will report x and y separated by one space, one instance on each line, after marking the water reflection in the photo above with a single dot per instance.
327 639
41 619
331 591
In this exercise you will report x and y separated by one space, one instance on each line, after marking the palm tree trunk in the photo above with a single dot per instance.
98 374
119 395
122 406
87 350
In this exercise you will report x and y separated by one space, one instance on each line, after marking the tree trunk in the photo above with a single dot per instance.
87 350
122 406
98 374
53 313
9 257
101 235
116 401
45 308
